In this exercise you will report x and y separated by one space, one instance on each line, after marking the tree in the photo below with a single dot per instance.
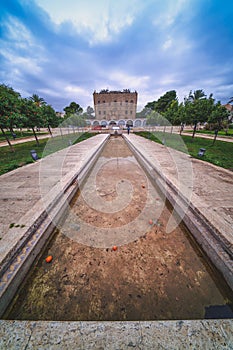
198 112
163 102
73 108
77 120
144 113
90 111
198 108
231 100
155 118
39 101
150 105
32 114
218 115
196 95
172 114
9 110
49 117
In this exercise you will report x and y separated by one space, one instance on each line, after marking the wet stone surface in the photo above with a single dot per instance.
138 271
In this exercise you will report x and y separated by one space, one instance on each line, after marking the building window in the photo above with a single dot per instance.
99 112
131 112
131 101
99 101
126 101
104 112
126 112
103 101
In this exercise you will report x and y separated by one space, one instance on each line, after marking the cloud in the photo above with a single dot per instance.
97 21
66 50
124 80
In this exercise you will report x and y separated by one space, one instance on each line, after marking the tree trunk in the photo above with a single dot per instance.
61 132
194 129
37 141
215 136
50 131
171 129
8 141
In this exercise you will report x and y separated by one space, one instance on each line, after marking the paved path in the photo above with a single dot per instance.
23 140
210 188
176 130
23 188
211 137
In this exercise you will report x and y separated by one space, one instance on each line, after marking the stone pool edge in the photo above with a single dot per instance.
188 334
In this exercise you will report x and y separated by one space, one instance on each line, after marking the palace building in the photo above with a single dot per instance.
115 106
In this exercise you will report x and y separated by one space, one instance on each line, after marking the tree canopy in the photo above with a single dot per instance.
31 112
73 108
196 108
163 103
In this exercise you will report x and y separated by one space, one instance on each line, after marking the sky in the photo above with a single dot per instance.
63 50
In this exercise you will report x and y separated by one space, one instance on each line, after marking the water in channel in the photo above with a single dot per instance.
114 260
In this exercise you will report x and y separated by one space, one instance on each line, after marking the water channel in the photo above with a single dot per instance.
114 260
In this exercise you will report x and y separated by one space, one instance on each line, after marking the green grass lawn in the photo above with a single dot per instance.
221 153
19 135
12 160
209 132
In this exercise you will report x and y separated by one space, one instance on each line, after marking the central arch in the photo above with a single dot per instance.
129 122
112 122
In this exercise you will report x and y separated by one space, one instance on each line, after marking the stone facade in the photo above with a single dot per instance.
115 105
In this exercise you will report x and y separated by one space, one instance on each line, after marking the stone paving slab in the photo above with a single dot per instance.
172 335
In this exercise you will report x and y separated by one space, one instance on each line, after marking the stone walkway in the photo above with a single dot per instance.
200 189
209 187
166 335
23 188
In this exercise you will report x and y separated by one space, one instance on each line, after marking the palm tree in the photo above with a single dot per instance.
39 101
196 95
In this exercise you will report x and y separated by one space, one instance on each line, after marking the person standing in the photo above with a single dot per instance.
128 129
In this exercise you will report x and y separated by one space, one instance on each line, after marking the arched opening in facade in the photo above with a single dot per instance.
95 123
129 123
121 122
103 123
144 123
137 123
112 122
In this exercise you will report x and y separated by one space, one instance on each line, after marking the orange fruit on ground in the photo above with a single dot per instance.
49 259
150 222
114 248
